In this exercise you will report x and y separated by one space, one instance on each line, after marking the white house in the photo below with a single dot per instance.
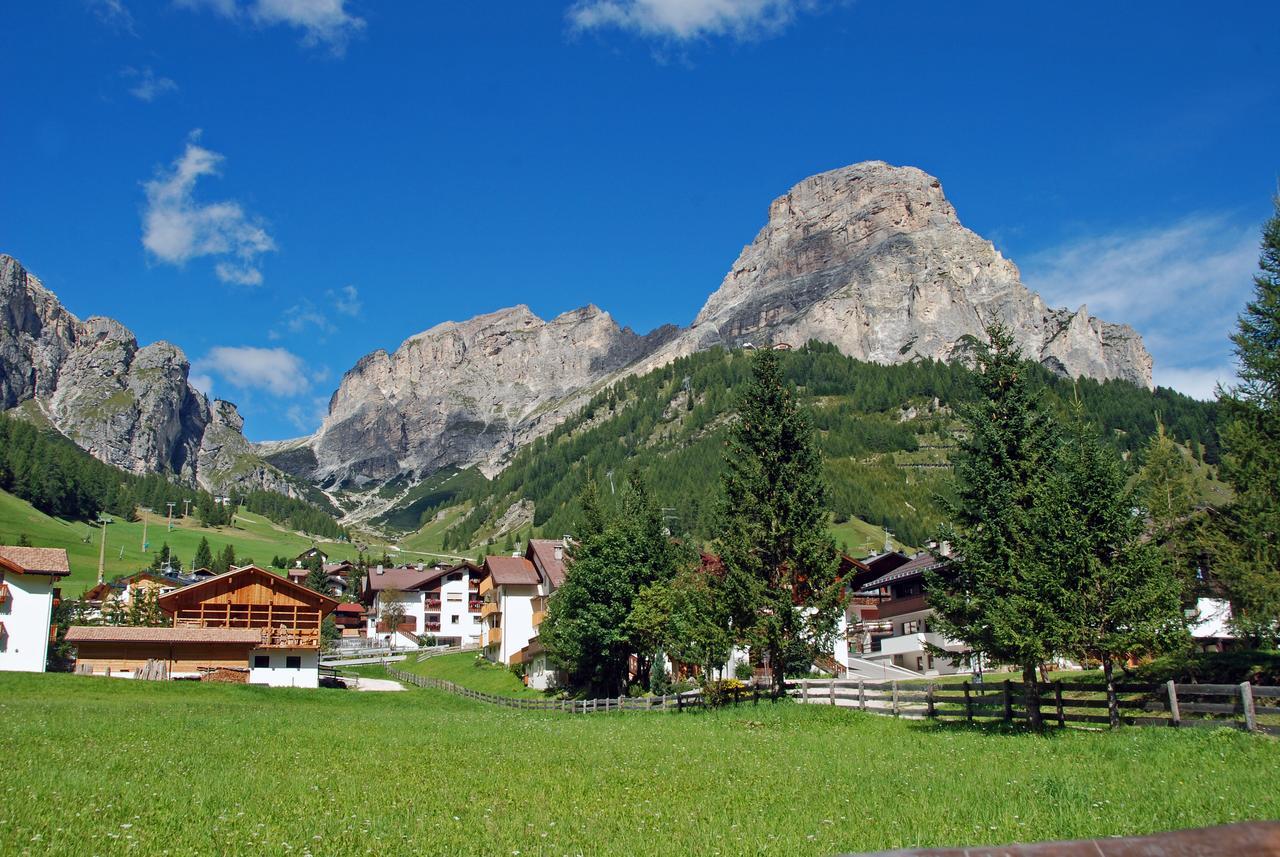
442 602
904 613
27 596
508 588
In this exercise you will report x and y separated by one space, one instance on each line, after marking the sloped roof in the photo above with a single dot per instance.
24 560
914 568
543 554
323 602
126 634
349 607
511 570
406 578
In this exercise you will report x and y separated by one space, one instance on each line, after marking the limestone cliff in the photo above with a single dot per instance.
129 406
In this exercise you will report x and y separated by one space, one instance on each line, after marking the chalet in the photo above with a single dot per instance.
27 596
902 635
441 601
124 590
549 559
508 589
350 619
303 558
247 618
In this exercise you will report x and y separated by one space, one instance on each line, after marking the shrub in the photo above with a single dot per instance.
721 692
744 670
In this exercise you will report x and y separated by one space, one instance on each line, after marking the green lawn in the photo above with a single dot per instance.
253 536
462 668
107 766
862 538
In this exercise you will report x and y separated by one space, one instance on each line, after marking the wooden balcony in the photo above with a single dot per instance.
433 603
539 610
899 606
432 626
474 605
292 627
492 636
488 609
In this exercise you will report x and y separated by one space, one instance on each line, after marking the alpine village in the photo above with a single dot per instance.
883 551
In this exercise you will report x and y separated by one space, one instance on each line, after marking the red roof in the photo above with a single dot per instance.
404 577
349 607
23 560
511 570
543 554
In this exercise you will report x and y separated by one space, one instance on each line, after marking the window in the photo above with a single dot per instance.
912 627
293 662
454 596
453 578
261 662
453 619
475 618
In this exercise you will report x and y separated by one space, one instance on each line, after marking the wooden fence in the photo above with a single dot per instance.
1238 706
669 702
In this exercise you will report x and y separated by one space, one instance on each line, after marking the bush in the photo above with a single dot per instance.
1257 666
721 692
634 690
683 686
744 670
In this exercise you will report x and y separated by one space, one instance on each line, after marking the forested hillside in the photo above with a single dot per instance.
62 480
886 433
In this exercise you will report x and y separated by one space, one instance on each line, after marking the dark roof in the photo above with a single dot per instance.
127 634
23 560
511 570
403 577
543 554
915 567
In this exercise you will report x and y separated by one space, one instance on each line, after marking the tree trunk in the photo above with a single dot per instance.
777 673
1031 695
1113 705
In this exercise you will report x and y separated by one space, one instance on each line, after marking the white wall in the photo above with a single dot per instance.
517 619
454 597
26 616
278 675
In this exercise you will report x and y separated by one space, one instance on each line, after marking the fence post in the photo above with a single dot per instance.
679 702
1246 702
968 703
895 697
1175 716
1057 696
928 700
755 694
862 695
1008 701
804 691
831 691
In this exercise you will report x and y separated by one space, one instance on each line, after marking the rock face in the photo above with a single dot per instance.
871 258
128 406
462 393
874 260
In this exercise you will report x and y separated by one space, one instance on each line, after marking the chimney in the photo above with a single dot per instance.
422 566
944 549
379 568
559 552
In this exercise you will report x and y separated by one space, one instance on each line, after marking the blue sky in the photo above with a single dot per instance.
281 186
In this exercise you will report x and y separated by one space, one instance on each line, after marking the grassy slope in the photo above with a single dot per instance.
862 538
287 772
462 669
253 536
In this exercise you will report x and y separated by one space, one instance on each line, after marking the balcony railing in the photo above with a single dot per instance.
433 603
488 609
492 636
281 626
474 606
431 626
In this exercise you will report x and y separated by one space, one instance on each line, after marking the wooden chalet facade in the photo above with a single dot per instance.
246 619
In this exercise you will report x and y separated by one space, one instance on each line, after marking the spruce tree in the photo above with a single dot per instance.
316 580
1124 595
780 562
1166 489
1002 595
204 556
1251 442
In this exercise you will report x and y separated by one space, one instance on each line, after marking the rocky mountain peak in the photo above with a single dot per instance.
874 259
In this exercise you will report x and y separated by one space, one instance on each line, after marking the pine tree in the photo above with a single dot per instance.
1002 595
204 556
1125 597
1166 489
780 562
316 580
1251 442
224 560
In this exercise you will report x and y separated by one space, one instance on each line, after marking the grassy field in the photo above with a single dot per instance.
103 766
462 668
862 538
253 536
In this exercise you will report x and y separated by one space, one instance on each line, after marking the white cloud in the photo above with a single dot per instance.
247 367
322 22
303 315
146 85
202 381
114 14
1181 286
1197 383
307 417
346 300
683 20
177 228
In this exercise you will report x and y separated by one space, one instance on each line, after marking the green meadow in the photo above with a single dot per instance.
108 766
254 537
